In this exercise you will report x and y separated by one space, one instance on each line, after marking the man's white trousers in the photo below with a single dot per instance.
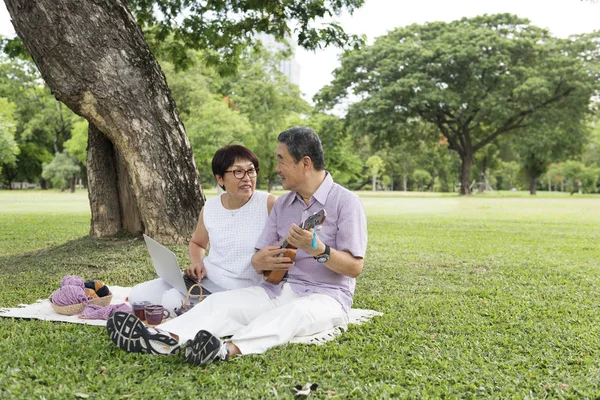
256 322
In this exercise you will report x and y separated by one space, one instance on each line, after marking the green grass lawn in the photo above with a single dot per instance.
494 296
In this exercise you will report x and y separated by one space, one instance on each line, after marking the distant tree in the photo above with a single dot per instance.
591 154
76 145
399 163
38 126
8 146
507 173
474 79
434 157
556 177
375 167
484 160
552 136
62 172
422 179
580 178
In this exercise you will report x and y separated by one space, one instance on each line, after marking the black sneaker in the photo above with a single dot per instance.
129 333
205 348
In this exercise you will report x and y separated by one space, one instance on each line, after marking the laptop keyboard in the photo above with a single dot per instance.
189 282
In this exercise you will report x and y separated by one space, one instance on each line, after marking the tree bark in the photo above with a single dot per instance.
95 59
102 183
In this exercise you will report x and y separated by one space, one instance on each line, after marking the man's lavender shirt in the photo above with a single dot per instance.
344 229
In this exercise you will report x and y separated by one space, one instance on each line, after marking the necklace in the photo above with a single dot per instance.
227 206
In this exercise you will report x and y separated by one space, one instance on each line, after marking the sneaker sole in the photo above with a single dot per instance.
130 334
203 350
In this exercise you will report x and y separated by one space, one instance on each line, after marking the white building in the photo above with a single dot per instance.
289 67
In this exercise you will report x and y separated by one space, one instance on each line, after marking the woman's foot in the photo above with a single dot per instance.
129 333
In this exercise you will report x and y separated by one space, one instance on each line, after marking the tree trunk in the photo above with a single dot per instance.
95 59
405 178
481 183
102 185
465 174
532 184
532 175
114 207
534 168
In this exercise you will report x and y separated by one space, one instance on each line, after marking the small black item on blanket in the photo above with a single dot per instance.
100 288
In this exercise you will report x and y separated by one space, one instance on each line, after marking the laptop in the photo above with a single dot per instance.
166 266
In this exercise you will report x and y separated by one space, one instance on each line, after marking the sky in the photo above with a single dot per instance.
377 17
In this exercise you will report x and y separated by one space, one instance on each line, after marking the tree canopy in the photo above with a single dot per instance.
474 79
225 28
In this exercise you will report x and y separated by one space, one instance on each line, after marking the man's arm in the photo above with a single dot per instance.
267 257
339 261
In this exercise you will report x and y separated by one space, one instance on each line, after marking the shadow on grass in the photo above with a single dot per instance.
118 260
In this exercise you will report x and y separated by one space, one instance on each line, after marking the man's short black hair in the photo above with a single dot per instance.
302 141
225 157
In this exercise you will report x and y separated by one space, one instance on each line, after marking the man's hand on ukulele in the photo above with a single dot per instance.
302 239
269 258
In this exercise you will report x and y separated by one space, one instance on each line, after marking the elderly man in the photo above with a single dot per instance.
316 292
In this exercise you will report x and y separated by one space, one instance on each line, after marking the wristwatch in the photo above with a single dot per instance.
323 258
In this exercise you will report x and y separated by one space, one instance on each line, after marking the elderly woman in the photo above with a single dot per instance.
230 223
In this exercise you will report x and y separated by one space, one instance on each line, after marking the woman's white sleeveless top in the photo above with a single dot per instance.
233 235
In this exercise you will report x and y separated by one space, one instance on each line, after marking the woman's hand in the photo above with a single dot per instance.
196 271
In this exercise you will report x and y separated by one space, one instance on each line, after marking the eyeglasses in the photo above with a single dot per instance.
240 173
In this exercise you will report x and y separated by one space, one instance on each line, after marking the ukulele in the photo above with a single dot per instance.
275 276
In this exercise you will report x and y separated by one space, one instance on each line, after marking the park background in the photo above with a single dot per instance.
489 295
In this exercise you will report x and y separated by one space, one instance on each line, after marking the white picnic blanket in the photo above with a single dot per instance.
42 310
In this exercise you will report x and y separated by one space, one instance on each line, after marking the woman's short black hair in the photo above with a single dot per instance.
225 157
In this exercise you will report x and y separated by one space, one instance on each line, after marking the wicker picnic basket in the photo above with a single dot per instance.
187 305
74 309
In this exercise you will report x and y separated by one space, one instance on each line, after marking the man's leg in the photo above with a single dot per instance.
222 313
294 316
